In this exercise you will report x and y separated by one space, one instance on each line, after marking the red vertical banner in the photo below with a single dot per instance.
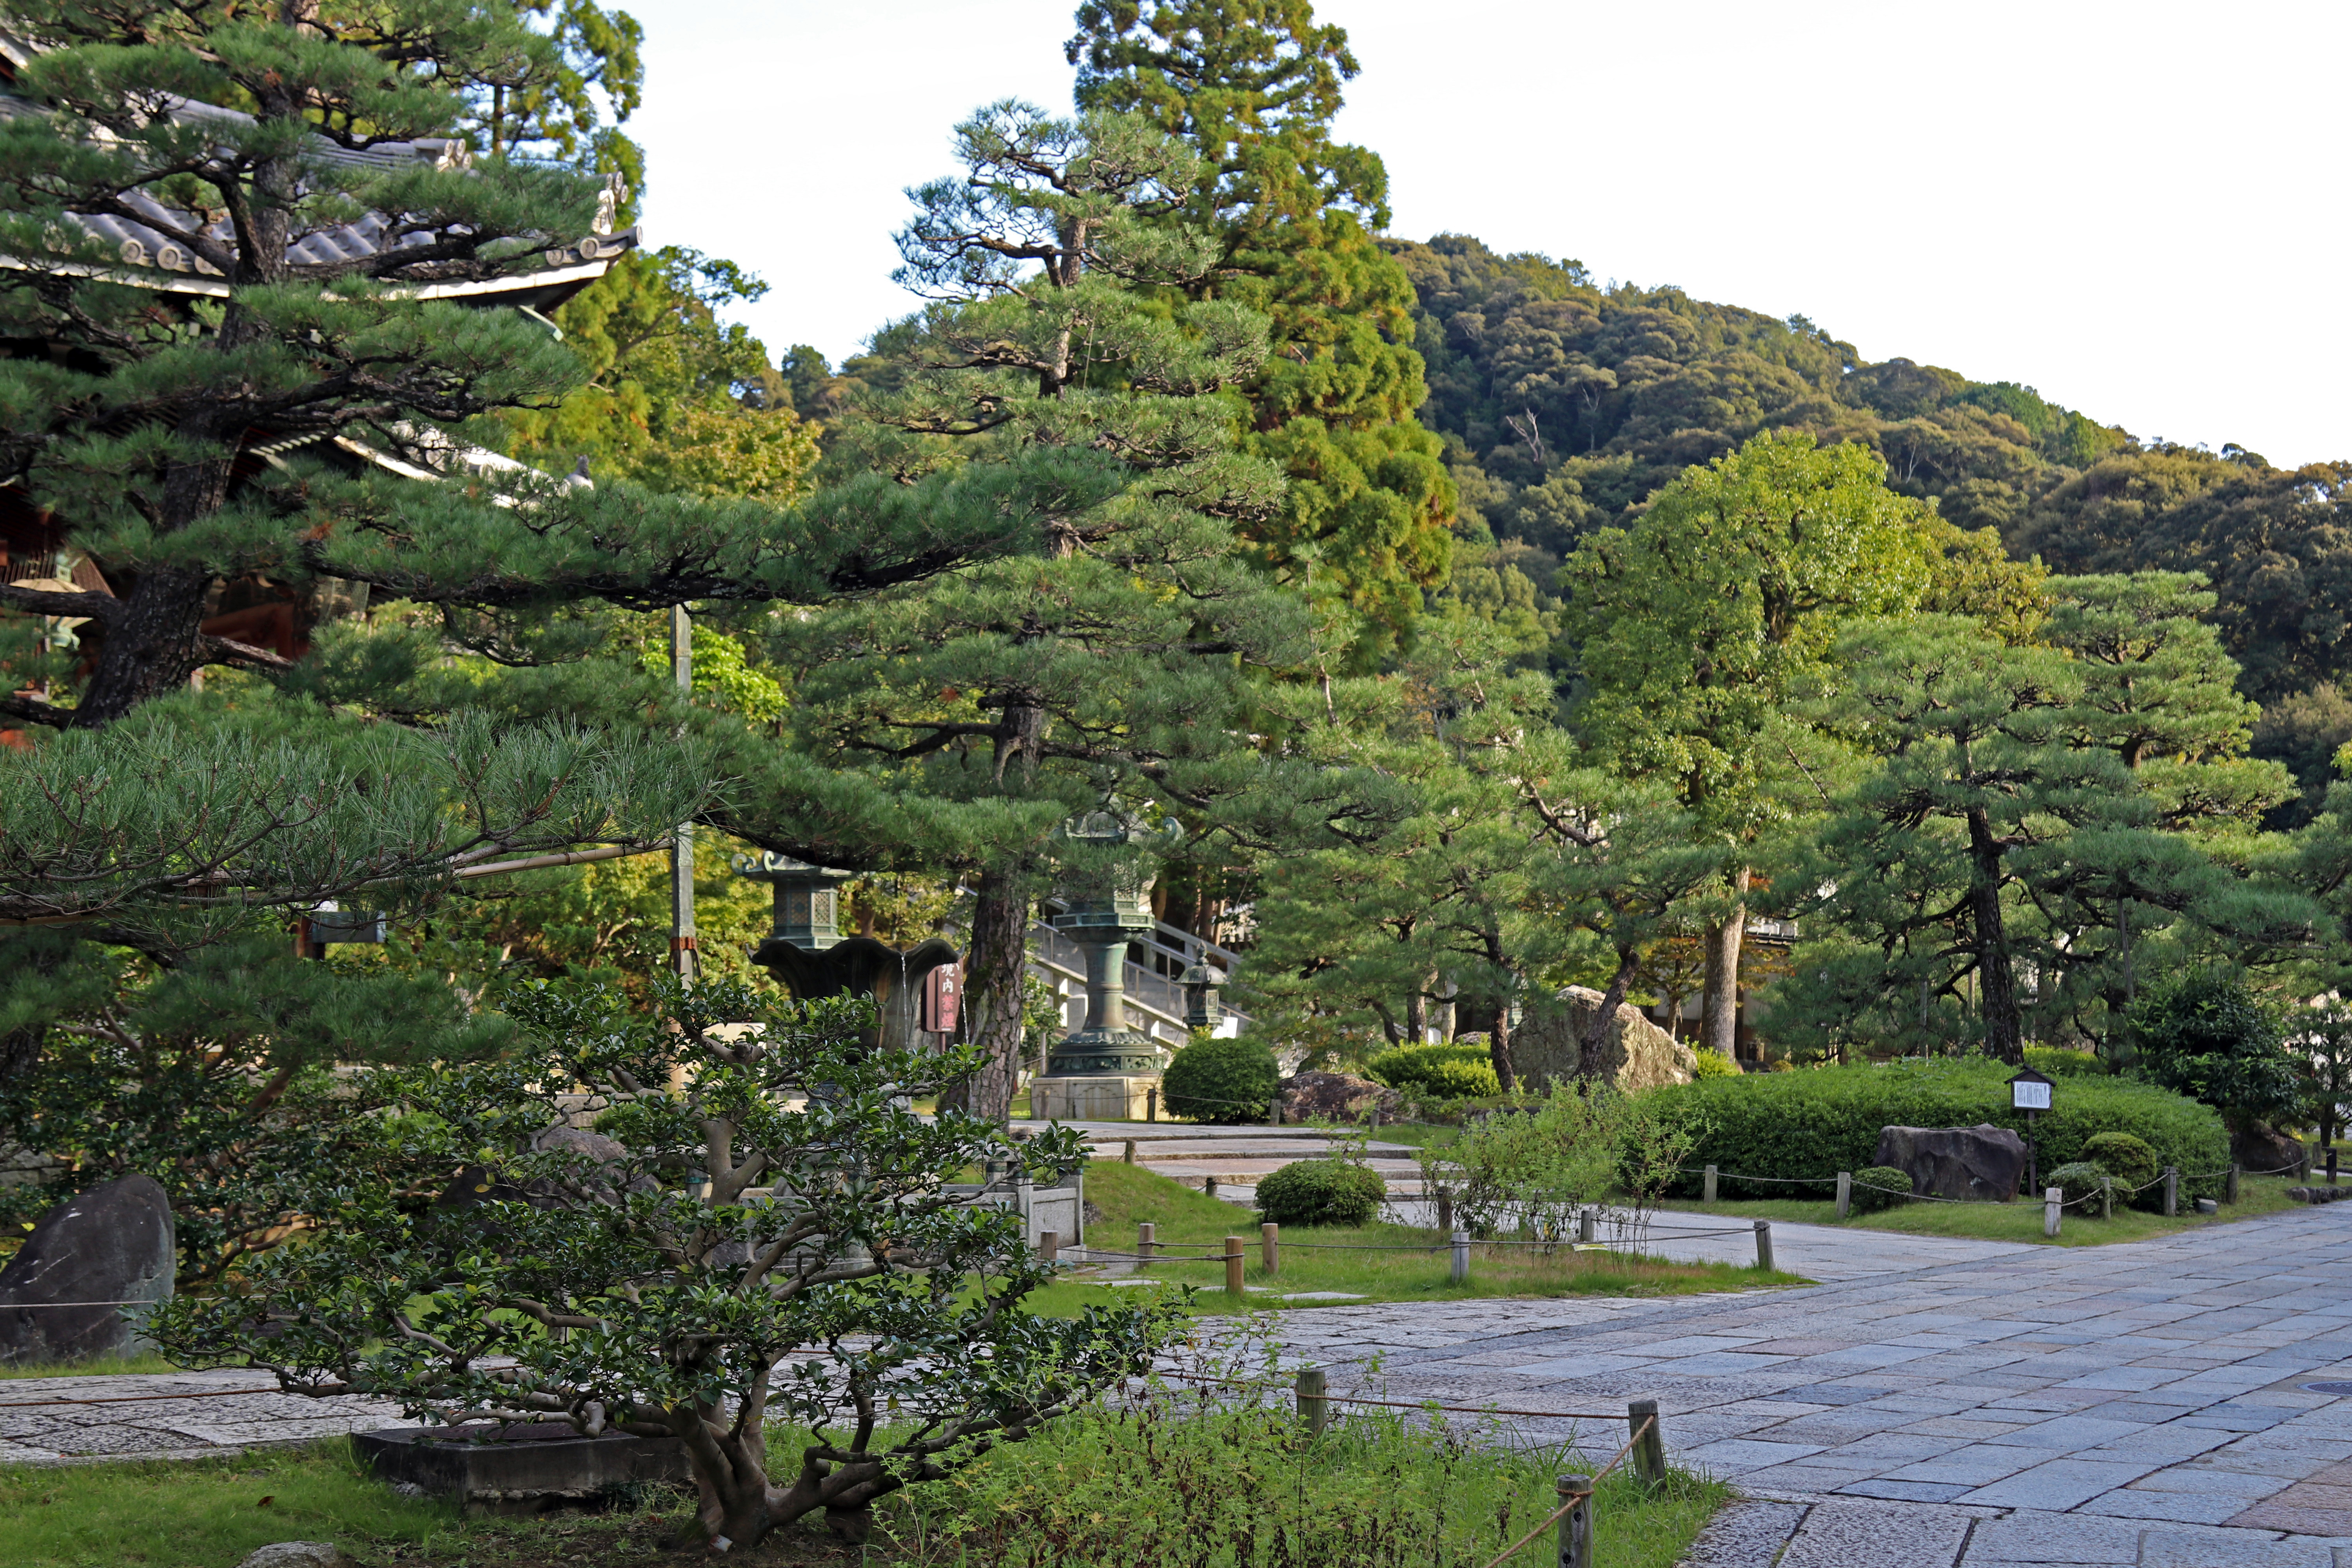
941 1000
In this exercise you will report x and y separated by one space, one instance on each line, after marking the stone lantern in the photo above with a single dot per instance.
806 903
1204 1008
1103 1070
808 954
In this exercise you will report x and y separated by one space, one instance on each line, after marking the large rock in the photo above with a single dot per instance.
112 1244
1336 1096
2257 1146
1981 1162
1639 1055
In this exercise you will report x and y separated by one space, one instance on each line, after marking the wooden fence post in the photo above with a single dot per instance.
2229 1186
2172 1191
1233 1267
1461 1269
1129 1155
2054 1203
1150 1103
1269 1247
1145 1231
1764 1245
1576 1524
1707 1187
1585 1223
1649 1443
1313 1410
1845 1194
1049 1247
1445 1210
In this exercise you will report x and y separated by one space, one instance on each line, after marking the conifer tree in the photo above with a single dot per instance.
1253 86
1118 654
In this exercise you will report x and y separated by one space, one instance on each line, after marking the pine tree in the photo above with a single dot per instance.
1118 654
1254 85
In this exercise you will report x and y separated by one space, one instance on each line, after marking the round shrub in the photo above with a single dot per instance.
2206 1032
1715 1064
1427 1069
1222 1081
1826 1120
2128 1159
2080 1179
1877 1187
1321 1192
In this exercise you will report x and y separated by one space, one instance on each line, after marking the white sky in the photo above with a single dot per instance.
2141 209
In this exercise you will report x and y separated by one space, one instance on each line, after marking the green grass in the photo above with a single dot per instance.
1193 1223
2019 1221
97 1366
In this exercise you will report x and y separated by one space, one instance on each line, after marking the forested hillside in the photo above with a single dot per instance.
1563 404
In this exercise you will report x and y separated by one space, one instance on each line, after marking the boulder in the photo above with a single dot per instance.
111 1244
1639 1055
1336 1096
2256 1146
296 1555
1983 1163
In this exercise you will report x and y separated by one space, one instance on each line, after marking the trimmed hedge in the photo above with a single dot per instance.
2128 1159
2057 1061
1321 1192
1446 1070
1821 1120
1225 1080
1879 1187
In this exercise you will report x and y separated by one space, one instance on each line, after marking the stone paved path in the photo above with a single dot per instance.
2138 1404
174 1415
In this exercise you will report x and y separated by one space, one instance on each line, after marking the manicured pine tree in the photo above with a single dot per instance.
1119 652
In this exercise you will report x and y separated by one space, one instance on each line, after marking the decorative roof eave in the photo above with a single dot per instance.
568 271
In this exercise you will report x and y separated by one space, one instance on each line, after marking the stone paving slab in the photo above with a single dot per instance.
61 1420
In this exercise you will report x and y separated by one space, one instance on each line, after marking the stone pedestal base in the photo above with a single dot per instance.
1091 1099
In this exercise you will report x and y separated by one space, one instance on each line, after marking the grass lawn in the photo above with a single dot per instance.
100 1366
1087 1492
1195 1225
2019 1221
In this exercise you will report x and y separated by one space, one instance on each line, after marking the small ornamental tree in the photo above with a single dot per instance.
773 1241
2206 1034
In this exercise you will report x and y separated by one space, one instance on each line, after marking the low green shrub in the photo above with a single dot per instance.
2128 1159
1877 1187
1222 1081
1715 1064
2057 1061
1818 1123
1446 1070
1321 1192
2080 1179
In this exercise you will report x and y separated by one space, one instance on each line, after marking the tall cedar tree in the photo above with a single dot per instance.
1253 86
1117 653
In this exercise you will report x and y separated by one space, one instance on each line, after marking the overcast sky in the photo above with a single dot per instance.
2139 209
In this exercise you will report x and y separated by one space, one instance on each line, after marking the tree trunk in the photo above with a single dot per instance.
1417 1015
2004 1035
995 970
1595 1044
1718 1025
1499 1044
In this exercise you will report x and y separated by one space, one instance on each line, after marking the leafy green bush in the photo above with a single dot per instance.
1321 1192
2128 1159
2080 1178
1879 1187
1445 1071
2203 1032
2056 1061
1715 1064
1818 1123
1222 1081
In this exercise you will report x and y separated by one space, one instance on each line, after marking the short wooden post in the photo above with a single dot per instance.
1845 1194
1049 1247
2172 1191
1151 1104
1145 1234
1707 1187
2331 1164
2106 1197
1576 1524
1314 1409
2054 1203
1233 1266
1586 1218
2303 1163
1460 1273
1269 1247
2229 1186
1649 1443
1764 1245
1207 1186
1273 1111
1444 1211
1079 1212
1128 1156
